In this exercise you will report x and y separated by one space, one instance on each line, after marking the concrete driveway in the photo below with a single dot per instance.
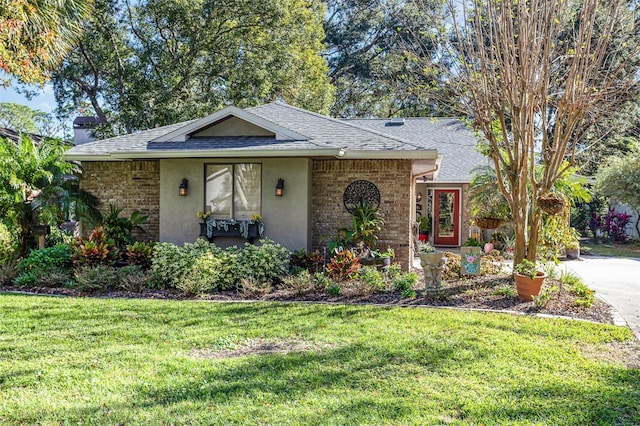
616 280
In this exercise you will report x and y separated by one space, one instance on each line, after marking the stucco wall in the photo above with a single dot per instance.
286 218
129 185
393 179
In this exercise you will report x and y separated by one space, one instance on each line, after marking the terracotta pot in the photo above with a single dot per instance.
572 253
527 287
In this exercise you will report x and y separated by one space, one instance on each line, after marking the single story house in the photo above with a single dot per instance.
296 168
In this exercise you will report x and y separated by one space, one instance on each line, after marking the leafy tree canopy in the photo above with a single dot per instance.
619 178
372 62
23 119
36 34
155 62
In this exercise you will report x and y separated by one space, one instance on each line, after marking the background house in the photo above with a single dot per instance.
233 159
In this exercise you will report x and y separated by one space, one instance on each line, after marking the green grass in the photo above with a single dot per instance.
618 250
101 361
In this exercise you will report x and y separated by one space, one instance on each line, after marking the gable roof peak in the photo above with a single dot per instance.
184 132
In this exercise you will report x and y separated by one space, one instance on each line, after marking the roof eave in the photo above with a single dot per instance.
331 152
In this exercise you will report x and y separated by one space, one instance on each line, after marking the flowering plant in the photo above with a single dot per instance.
256 217
203 215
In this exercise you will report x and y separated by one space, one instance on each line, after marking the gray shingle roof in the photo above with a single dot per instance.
450 136
416 137
132 142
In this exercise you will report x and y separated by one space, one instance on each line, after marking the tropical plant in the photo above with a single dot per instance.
141 254
120 229
35 36
32 180
485 198
343 265
98 249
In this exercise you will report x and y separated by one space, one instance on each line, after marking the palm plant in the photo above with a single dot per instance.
32 179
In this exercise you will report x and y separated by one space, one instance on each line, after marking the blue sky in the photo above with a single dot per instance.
44 102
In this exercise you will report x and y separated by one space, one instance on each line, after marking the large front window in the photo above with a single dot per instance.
233 191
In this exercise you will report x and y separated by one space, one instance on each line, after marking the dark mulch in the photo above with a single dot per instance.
491 292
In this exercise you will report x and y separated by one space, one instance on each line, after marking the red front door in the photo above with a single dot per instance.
446 213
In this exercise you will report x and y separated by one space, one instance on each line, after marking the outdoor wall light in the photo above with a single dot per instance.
419 197
280 188
183 189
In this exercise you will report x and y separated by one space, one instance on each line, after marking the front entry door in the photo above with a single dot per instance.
446 212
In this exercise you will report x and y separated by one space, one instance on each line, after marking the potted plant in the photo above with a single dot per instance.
489 208
387 255
528 279
572 244
424 226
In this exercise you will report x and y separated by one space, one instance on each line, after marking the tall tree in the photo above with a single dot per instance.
535 76
374 72
154 62
23 119
35 35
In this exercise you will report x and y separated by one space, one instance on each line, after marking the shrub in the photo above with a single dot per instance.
334 289
312 262
252 288
171 263
27 279
451 269
7 273
300 284
141 254
394 270
491 265
343 265
266 262
372 279
96 250
8 245
58 236
132 278
46 260
211 270
120 229
96 278
322 280
403 282
408 294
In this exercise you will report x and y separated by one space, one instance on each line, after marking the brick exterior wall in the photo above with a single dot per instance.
129 185
393 179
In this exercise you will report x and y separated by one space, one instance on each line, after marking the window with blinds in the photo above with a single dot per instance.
233 191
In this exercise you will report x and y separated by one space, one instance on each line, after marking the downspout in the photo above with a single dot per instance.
413 188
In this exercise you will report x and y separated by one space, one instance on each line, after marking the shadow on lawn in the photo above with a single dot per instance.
350 380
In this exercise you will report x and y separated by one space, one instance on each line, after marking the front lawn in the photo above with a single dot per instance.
106 361
612 250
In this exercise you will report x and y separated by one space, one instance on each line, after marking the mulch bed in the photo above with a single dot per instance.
482 292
